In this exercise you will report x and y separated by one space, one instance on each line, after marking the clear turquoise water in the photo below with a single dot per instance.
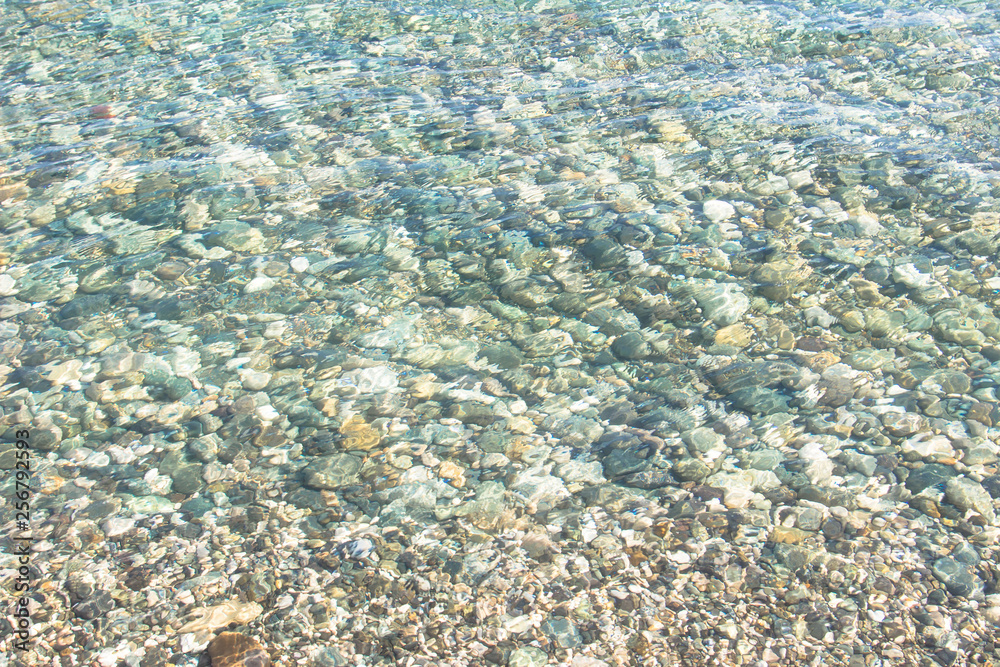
421 158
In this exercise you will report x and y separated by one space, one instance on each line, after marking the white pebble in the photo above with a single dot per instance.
267 413
7 285
909 275
259 284
254 380
992 615
717 211
117 526
275 330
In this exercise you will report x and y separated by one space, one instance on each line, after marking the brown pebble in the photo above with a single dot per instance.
232 649
781 495
706 493
820 361
833 529
888 461
244 405
171 270
811 344
786 535
982 413
926 505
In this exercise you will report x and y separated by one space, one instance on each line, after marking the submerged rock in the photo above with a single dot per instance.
232 649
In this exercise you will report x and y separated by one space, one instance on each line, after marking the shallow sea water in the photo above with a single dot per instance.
517 333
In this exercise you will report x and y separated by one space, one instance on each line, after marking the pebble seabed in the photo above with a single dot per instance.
513 334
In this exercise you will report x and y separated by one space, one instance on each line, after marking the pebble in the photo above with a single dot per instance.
115 526
358 549
561 631
738 335
717 211
232 649
723 304
254 380
527 657
220 615
332 472
96 605
150 505
967 494
956 576
631 346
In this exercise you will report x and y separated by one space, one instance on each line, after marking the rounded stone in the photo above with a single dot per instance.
833 529
903 424
232 649
992 485
704 439
82 584
764 459
613 322
778 280
561 631
738 335
171 270
255 381
880 322
329 657
949 382
852 321
717 211
967 494
605 253
150 505
504 355
869 359
956 577
115 526
759 401
723 304
928 475
631 346
545 343
97 605
529 656
333 472
186 479
691 470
